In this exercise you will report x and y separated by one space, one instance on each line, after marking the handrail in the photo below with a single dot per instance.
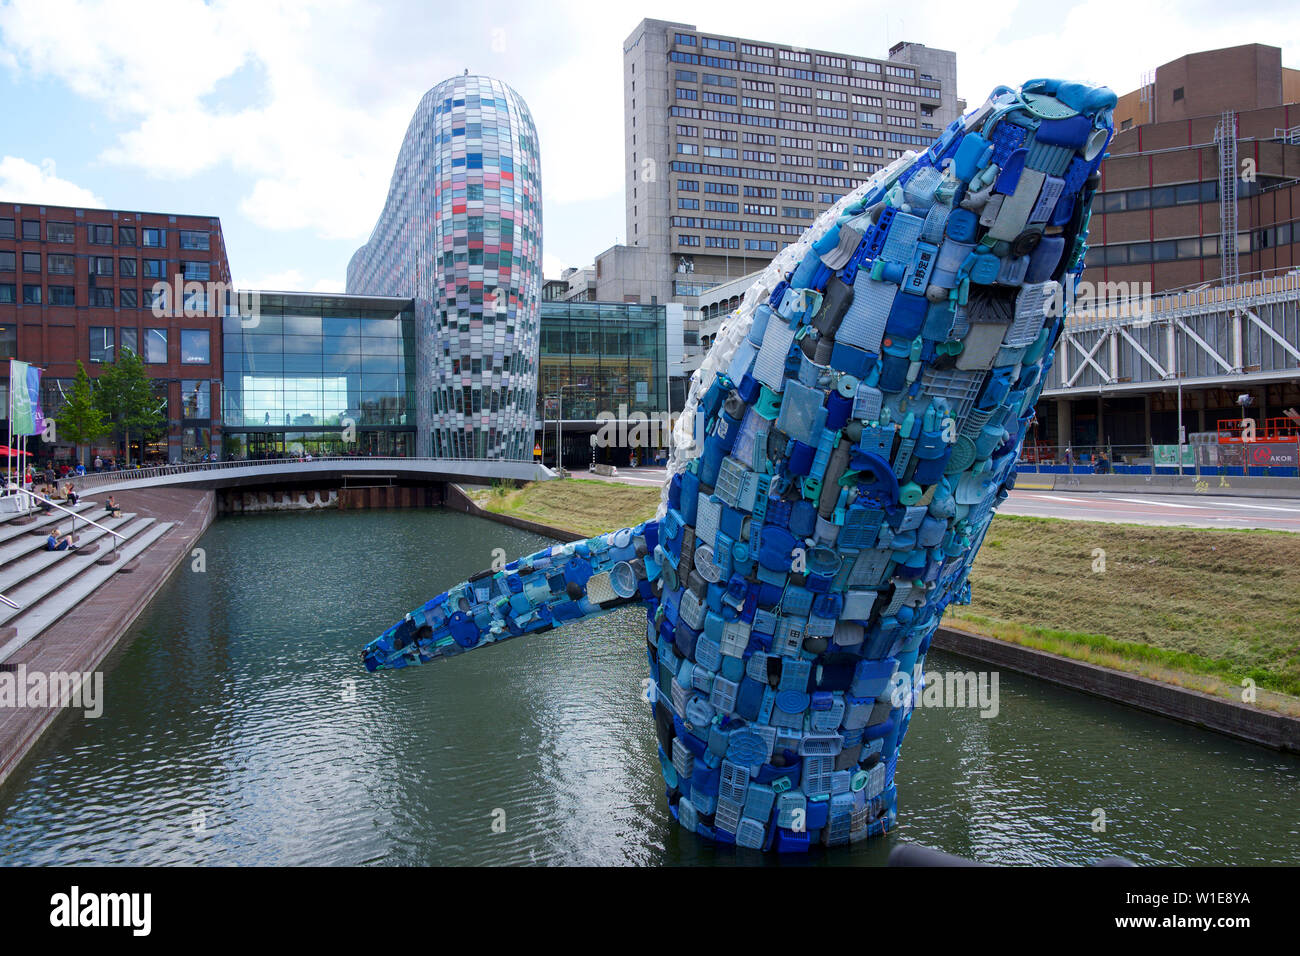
13 604
75 514
92 479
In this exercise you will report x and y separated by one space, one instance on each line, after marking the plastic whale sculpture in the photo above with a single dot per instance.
841 453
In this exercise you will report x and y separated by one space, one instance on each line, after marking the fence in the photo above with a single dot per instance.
95 479
1152 460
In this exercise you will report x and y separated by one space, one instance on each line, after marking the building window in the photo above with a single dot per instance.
100 235
203 270
31 262
8 292
9 342
32 230
195 347
101 298
1178 94
154 238
126 268
7 261
31 295
101 265
6 228
155 346
101 343
196 398
62 295
130 299
193 240
60 232
130 337
155 268
60 265
126 236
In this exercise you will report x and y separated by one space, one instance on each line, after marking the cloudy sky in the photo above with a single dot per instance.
284 118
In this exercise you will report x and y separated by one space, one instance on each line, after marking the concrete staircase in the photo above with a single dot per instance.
46 585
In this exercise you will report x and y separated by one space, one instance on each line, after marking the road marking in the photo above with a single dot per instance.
1166 504
1234 504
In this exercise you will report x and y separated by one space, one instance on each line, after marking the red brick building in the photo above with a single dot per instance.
80 284
1156 217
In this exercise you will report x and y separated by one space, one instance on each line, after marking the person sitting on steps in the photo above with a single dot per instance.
57 541
70 494
112 508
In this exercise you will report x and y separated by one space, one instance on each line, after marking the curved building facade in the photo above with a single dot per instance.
461 234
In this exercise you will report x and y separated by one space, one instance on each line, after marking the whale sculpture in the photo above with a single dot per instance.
841 453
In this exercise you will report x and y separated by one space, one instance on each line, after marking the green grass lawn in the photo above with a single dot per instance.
575 504
1200 608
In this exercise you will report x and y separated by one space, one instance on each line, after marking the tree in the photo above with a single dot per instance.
81 421
125 394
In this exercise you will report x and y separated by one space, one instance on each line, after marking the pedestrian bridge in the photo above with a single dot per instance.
233 474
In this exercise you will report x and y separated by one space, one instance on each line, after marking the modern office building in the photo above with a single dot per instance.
80 283
320 375
607 365
1207 222
734 146
461 235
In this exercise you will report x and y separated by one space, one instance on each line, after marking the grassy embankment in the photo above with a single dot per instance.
1203 609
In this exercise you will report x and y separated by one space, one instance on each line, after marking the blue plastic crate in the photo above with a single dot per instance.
760 798
728 815
687 815
733 779
791 809
723 695
817 774
751 834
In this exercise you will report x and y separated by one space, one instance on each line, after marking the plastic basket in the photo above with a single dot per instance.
723 695
728 815
750 834
817 774
759 801
735 638
683 759
791 809
863 325
821 745
733 781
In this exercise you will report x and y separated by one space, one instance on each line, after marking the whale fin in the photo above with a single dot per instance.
534 594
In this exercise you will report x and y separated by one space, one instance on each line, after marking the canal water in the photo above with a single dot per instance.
239 728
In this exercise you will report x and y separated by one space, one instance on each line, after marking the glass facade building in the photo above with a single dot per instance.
461 234
318 374
614 354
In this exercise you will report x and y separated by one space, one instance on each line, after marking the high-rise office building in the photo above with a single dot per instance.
734 146
461 234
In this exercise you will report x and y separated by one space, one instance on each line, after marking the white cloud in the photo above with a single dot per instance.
288 280
552 265
308 105
24 182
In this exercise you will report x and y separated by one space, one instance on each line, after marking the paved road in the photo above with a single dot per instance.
1201 511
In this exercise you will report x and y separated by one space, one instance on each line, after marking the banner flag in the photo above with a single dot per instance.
25 388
